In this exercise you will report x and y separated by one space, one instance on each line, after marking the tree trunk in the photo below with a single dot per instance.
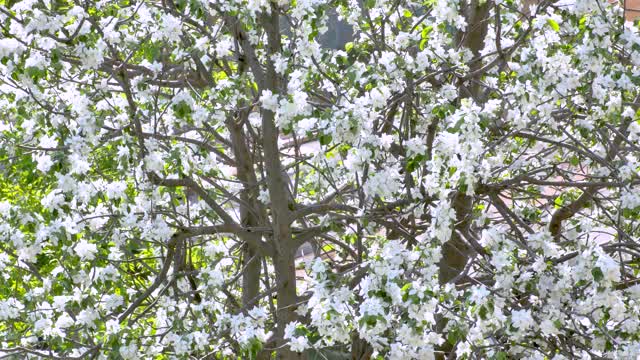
287 298
251 211
456 251
281 202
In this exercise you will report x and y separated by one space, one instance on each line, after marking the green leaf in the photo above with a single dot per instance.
582 23
35 73
369 320
597 274
426 31
182 110
454 336
254 348
351 75
500 355
55 55
557 202
423 42
574 160
425 36
482 312
313 34
554 25
348 46
414 162
558 324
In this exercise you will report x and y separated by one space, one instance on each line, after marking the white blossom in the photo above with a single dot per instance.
85 250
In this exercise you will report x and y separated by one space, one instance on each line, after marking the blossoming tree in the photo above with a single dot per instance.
465 174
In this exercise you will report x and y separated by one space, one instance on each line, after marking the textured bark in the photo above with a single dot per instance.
476 13
286 281
278 187
251 211
456 251
277 183
360 349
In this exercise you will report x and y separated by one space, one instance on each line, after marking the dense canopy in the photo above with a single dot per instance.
208 179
